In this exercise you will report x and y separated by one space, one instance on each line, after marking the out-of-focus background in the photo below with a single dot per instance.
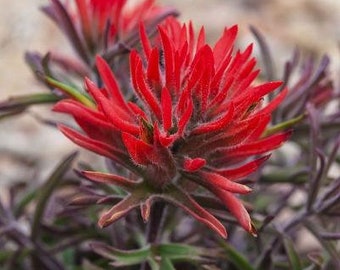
29 150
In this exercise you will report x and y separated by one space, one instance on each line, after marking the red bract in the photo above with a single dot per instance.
95 26
196 118
96 17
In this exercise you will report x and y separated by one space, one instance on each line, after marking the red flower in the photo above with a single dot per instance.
114 17
196 118
94 26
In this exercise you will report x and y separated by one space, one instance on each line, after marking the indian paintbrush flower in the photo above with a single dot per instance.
196 120
98 26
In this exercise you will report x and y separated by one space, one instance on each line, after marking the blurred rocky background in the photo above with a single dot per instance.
29 150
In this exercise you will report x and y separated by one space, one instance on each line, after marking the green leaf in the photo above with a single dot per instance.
166 264
154 265
28 197
68 256
236 258
46 191
293 257
24 101
17 104
73 92
283 126
122 257
176 251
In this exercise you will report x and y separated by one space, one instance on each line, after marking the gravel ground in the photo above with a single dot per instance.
313 25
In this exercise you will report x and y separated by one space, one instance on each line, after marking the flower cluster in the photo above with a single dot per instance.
195 120
97 26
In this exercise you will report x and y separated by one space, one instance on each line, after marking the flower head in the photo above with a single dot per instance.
94 26
196 120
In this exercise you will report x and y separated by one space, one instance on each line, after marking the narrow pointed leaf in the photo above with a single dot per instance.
145 208
122 208
175 251
283 125
221 182
166 264
112 179
180 198
293 257
244 170
47 189
25 101
121 257
70 91
236 258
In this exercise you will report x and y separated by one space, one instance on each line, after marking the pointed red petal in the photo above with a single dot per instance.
260 91
275 102
166 109
140 85
225 44
192 165
94 123
136 110
113 113
93 145
111 83
259 147
237 209
84 17
244 170
200 39
79 111
185 118
144 40
138 150
221 182
217 124
164 139
168 58
153 72
257 131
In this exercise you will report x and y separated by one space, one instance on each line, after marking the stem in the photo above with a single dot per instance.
154 226
155 223
277 240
